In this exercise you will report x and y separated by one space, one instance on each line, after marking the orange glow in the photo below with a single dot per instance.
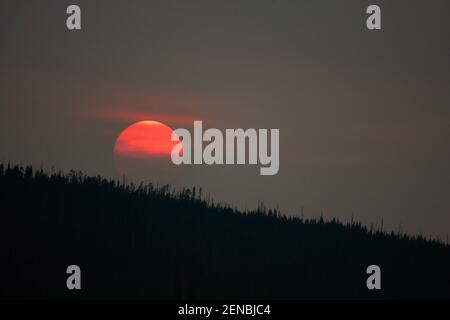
145 139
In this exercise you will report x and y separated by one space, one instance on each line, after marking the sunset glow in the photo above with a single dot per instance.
145 139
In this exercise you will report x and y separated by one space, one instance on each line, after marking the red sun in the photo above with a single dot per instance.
145 139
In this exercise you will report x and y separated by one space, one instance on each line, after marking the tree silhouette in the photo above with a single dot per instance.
147 241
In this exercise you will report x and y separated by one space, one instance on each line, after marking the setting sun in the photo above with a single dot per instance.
145 139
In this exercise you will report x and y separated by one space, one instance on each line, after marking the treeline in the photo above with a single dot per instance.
147 241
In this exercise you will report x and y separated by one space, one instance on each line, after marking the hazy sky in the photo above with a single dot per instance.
364 116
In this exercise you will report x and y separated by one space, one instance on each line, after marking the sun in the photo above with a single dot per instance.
145 139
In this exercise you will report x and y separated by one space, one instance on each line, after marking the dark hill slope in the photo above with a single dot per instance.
148 242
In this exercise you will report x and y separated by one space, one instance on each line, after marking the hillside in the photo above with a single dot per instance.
151 242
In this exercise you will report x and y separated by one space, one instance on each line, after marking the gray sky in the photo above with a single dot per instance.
364 116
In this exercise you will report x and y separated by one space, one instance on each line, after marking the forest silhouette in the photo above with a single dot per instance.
151 242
